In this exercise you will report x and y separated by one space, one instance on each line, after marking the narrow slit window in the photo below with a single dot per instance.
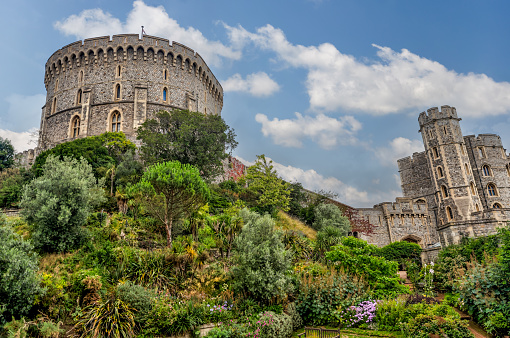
436 152
164 94
450 213
440 172
117 91
78 98
473 190
165 75
119 70
444 190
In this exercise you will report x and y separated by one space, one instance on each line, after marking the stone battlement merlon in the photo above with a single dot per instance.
75 49
411 161
434 114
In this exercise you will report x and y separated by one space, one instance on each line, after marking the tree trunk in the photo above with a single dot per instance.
111 182
168 225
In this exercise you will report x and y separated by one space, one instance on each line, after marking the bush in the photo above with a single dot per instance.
58 203
401 252
358 258
297 321
278 325
138 298
329 215
19 282
262 263
104 319
423 326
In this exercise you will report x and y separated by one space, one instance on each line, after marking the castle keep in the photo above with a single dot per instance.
458 187
115 84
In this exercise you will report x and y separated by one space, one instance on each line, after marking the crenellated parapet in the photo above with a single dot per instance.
434 114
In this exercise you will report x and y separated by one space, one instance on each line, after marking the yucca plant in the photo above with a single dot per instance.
111 318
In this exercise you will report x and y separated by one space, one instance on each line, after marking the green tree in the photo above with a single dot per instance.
188 137
12 181
327 237
330 215
58 203
271 191
19 283
6 154
262 263
171 190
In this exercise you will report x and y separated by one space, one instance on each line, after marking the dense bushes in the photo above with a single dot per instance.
19 283
401 252
357 257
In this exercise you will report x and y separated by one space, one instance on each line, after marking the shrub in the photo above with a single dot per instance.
58 203
138 298
401 252
423 326
19 282
321 295
327 237
104 319
357 258
262 263
297 321
277 325
329 215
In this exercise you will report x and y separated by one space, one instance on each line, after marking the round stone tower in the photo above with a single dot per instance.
114 84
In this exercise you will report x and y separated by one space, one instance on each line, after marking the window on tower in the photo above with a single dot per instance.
491 190
449 212
439 172
486 170
436 152
76 126
115 123
444 191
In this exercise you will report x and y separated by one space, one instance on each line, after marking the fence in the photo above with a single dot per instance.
311 332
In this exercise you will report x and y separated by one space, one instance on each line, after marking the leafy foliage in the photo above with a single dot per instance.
19 283
188 137
271 191
171 190
262 263
358 258
6 154
100 152
401 252
58 203
330 215
138 298
12 181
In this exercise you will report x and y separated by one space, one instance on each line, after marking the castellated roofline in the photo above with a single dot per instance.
63 58
434 114
410 161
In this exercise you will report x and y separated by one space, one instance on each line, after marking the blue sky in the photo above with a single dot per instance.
330 90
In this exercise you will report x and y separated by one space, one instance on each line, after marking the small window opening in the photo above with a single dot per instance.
450 213
473 190
117 91
467 168
115 122
164 94
119 70
444 190
497 206
76 126
56 85
477 207
440 172
166 74
481 152
54 105
444 130
80 77
436 152
491 190
486 170
78 98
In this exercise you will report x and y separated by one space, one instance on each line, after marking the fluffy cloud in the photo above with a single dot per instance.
312 180
398 148
20 141
326 131
257 84
95 22
396 81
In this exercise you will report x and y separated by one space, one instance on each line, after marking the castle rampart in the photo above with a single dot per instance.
115 84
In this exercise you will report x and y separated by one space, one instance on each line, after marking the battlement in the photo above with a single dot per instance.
486 140
434 114
412 161
403 205
84 52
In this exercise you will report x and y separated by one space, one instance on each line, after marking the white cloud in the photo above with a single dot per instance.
396 81
257 84
398 148
24 112
157 22
20 141
312 180
326 131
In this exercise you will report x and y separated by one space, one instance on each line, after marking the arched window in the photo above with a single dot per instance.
119 71
56 85
473 190
477 207
491 190
80 77
481 152
76 126
439 172
436 152
449 212
467 168
497 206
421 201
486 170
117 91
115 121
78 97
444 190
165 75
164 94
54 106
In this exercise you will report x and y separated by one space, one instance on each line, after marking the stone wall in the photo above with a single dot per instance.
93 79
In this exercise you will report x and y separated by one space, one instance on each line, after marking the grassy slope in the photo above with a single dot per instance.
287 222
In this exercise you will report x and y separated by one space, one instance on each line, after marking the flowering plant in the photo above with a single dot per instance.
358 316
